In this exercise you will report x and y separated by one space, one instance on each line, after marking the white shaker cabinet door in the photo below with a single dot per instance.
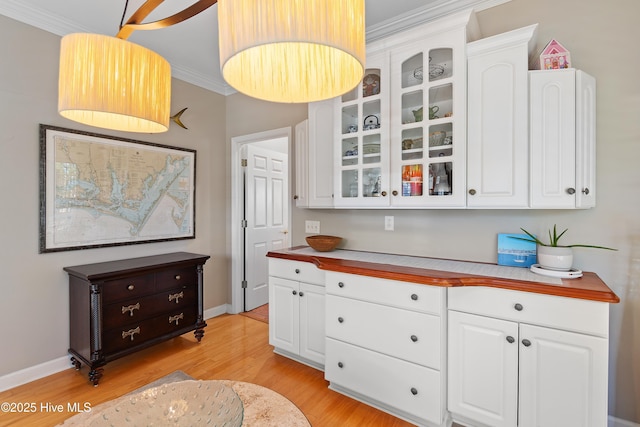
483 369
284 314
563 378
312 323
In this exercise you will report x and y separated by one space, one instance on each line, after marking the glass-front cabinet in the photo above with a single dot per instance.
428 140
362 135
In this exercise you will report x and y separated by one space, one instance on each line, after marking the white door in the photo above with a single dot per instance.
267 216
483 369
563 378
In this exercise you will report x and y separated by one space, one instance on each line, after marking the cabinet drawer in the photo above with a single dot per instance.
424 298
134 334
114 290
408 335
590 317
176 277
138 309
296 270
408 387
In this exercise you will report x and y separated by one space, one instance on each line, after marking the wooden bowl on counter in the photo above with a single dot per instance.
323 243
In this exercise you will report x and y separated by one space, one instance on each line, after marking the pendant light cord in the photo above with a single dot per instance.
124 12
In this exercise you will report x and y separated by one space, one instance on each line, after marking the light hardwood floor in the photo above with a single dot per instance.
234 347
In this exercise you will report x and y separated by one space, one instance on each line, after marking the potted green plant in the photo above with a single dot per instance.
552 255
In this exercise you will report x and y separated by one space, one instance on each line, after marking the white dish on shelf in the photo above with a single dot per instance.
566 274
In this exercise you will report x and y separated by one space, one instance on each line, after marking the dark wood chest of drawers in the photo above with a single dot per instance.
119 307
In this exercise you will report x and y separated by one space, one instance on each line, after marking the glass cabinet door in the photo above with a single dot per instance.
362 141
425 147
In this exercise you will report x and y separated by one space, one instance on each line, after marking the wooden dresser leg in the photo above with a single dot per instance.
95 375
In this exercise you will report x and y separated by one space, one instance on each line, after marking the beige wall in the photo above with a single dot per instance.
34 296
600 36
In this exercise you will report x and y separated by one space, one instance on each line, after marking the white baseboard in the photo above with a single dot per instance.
23 376
617 422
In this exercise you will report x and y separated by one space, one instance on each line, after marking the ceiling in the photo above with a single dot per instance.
191 47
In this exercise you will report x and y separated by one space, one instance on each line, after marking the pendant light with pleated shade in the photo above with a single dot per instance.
292 50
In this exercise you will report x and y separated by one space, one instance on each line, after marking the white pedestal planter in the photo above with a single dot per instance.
555 257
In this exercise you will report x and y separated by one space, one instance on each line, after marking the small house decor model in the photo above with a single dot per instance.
554 56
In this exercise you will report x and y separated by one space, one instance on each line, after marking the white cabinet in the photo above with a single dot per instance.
314 157
563 139
361 150
401 134
498 116
521 359
385 345
296 311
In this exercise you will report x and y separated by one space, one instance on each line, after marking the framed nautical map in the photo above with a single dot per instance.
98 190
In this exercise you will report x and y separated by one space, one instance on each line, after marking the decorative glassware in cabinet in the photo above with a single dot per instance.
371 149
350 151
371 182
442 179
350 120
350 183
441 140
440 64
371 113
412 145
412 107
371 82
412 71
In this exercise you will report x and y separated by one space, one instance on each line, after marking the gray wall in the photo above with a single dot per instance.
601 37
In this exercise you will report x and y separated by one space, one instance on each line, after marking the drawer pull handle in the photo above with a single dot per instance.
176 297
526 342
130 333
518 307
414 338
414 297
301 293
340 320
297 271
294 292
340 285
510 339
130 308
177 277
340 365
414 391
176 318
131 287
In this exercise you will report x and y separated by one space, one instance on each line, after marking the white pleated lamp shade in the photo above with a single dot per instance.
114 84
292 50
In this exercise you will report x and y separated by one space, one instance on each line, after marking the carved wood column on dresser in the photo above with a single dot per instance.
119 307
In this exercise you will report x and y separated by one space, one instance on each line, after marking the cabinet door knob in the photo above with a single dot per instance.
518 307
131 287
295 197
177 277
340 319
571 190
414 297
510 339
526 342
294 292
340 285
585 191
394 192
414 338
472 192
340 365
414 391
297 271
301 293
384 193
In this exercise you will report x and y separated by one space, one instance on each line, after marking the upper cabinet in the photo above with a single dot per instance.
563 139
442 120
498 108
401 134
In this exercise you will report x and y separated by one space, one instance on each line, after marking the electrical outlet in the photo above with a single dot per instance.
312 227
388 223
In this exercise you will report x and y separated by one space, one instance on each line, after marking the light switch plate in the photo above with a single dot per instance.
312 227
388 223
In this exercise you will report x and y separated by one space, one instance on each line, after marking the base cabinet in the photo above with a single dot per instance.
297 311
504 370
385 345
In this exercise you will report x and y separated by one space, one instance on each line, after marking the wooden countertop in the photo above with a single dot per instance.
588 287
